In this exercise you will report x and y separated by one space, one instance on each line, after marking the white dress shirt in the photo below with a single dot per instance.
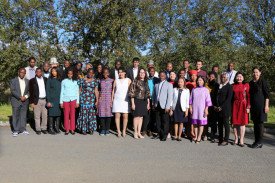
41 86
116 74
22 85
135 71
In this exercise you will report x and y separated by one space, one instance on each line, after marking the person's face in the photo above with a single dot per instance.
106 74
200 82
239 78
186 64
46 67
22 73
194 77
88 66
136 64
181 83
91 73
152 72
182 74
231 67
38 73
162 76
223 78
66 64
212 77
99 68
199 65
79 66
54 73
121 74
216 69
142 74
256 74
32 63
70 74
169 67
118 65
172 76
54 65
150 65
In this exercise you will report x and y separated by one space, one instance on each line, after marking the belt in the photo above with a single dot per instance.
42 98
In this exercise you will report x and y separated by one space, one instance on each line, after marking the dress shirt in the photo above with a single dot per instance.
41 86
116 74
22 85
135 72
31 73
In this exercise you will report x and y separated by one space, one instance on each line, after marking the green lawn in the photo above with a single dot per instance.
5 112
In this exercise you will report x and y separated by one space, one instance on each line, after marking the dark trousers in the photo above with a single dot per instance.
54 123
258 131
105 124
19 117
162 121
223 122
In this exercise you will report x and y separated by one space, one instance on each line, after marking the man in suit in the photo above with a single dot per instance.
162 101
169 68
133 71
19 100
223 108
30 70
231 73
38 101
114 72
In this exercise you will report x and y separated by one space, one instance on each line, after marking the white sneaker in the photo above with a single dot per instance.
25 133
14 134
169 136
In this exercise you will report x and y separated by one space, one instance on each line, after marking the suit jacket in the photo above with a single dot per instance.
224 99
34 90
16 92
130 73
166 95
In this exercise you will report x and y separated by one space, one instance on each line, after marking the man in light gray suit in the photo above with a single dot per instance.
19 100
162 101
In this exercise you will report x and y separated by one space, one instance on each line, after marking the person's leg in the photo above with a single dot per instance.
72 115
135 127
196 132
226 129
165 124
125 122
220 126
23 117
261 132
242 133
117 120
180 130
176 129
16 118
44 113
51 122
66 106
139 127
57 124
158 121
37 115
102 126
235 134
200 131
256 131
145 123
107 125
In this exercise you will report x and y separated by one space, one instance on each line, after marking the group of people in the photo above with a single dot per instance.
190 103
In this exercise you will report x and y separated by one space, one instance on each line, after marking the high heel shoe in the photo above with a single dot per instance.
241 145
140 136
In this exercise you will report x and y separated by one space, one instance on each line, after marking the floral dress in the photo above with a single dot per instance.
86 121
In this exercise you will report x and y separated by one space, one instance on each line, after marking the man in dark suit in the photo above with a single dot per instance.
19 100
132 72
223 108
114 72
38 101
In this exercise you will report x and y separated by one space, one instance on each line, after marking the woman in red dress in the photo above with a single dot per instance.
241 107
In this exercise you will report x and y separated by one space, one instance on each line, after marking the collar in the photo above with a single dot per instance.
21 79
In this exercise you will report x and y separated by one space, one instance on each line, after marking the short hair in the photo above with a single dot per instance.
118 60
21 68
186 60
150 68
162 72
122 69
31 58
168 63
136 59
38 68
224 74
216 65
256 67
199 61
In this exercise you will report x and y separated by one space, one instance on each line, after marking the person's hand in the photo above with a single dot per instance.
171 112
133 107
77 106
23 99
61 105
205 113
49 105
148 107
190 110
32 106
266 109
247 111
167 111
219 109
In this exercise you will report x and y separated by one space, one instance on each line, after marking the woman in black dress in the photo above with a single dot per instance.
140 101
259 100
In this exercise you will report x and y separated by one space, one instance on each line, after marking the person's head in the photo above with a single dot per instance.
121 73
38 72
90 73
67 64
200 81
46 67
118 64
224 77
142 75
71 74
99 68
136 62
22 72
212 76
53 62
78 66
162 75
230 66
256 73
54 73
89 66
215 68
32 62
152 71
106 73
199 64
181 83
169 66
172 76
150 64
186 64
239 78
193 75
182 73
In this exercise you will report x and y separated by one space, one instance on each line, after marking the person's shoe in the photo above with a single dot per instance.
44 131
84 133
241 145
15 134
107 133
256 146
52 132
155 137
38 132
72 132
66 133
224 143
169 136
102 134
123 134
174 138
143 133
150 134
179 139
163 139
140 136
25 133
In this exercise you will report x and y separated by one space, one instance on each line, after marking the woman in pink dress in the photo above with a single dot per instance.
199 102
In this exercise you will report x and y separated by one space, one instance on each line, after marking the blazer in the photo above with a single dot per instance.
184 99
34 90
130 73
27 72
166 95
224 99
16 92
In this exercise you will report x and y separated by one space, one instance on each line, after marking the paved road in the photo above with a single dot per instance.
75 159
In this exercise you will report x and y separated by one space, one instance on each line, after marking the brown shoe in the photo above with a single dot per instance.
224 143
150 134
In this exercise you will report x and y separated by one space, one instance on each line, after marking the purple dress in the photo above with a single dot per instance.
199 99
105 98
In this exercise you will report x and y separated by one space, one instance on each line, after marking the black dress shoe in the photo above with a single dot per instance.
44 131
241 145
256 146
72 132
66 133
179 139
38 132
155 137
163 139
223 144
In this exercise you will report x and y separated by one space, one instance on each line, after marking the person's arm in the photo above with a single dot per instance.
191 102
187 102
208 103
61 93
247 98
14 93
97 96
113 91
32 93
169 98
266 96
48 93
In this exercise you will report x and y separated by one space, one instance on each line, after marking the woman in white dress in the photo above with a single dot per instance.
121 101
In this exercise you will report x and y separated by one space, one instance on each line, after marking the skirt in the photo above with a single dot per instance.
140 108
179 115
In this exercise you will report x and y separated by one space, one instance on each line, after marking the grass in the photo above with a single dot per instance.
5 112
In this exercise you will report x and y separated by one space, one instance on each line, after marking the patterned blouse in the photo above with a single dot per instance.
139 89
